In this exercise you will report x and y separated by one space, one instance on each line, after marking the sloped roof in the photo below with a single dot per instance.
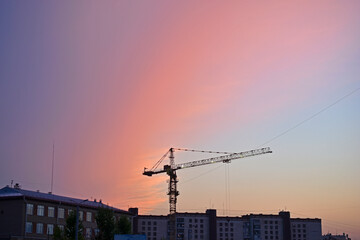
8 192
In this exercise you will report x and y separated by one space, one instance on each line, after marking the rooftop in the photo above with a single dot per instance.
9 192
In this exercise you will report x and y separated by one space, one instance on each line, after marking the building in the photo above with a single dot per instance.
28 214
329 236
209 226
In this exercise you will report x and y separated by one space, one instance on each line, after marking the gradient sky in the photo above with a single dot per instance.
115 84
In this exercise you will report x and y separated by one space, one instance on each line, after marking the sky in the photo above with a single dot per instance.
113 85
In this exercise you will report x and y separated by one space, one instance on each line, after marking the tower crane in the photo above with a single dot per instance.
172 168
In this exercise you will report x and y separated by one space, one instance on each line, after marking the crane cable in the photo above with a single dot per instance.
201 151
160 160
185 150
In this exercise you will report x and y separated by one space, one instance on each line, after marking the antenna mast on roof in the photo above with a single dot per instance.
52 170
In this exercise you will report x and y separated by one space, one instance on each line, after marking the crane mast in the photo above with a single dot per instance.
173 193
171 171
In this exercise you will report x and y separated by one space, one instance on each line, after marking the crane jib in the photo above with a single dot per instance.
225 158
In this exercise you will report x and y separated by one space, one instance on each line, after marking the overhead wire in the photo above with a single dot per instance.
311 117
332 222
269 141
289 129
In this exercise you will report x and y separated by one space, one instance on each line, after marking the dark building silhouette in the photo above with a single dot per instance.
33 215
209 226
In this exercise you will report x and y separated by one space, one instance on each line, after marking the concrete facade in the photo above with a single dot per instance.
33 215
200 226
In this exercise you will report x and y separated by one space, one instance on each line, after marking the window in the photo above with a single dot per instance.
61 213
154 228
39 228
51 212
50 229
88 216
29 209
154 223
61 227
81 215
96 231
40 210
201 220
69 211
29 227
88 233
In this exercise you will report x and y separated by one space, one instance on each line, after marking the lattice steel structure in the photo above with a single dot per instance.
171 171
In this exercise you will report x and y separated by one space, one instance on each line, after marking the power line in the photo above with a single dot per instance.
311 117
331 222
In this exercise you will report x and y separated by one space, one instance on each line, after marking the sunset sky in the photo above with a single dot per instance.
115 84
